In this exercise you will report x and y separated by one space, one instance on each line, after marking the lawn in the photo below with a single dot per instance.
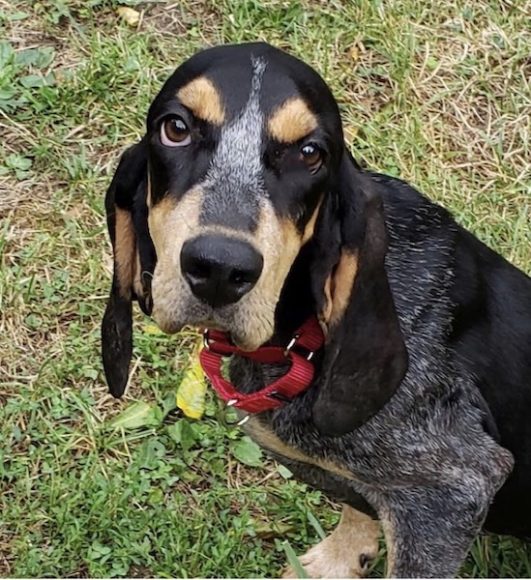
435 92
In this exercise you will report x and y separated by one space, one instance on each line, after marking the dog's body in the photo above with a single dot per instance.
420 399
466 388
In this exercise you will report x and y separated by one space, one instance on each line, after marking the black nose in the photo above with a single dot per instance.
220 270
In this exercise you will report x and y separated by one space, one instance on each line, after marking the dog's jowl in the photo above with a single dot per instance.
377 349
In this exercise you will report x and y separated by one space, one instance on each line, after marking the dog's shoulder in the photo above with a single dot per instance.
420 262
439 259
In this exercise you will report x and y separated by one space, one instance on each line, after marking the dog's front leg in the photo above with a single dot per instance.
428 530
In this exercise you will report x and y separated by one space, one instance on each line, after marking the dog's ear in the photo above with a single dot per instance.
134 263
365 357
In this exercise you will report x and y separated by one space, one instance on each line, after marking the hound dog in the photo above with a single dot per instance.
242 210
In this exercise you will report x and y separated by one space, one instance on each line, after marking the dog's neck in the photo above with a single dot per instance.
296 303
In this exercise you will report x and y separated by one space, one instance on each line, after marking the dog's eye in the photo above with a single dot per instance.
312 156
174 132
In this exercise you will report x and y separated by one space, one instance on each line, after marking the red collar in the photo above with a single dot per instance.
309 337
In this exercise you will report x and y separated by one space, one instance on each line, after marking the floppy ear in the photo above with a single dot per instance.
134 263
365 356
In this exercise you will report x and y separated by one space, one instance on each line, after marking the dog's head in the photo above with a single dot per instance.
242 164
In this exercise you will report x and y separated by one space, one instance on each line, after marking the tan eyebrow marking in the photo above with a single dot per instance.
203 99
292 121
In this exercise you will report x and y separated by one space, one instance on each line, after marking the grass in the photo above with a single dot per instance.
437 93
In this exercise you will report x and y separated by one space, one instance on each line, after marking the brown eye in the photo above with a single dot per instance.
312 156
174 132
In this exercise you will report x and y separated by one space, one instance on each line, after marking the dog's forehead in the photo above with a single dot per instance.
233 76
218 81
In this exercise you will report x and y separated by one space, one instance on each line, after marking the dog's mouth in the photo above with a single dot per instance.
230 336
245 326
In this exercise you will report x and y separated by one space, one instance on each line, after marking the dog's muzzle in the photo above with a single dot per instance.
220 270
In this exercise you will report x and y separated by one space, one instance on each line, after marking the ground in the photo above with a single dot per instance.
437 93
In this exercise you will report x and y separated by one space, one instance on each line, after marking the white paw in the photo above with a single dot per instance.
336 557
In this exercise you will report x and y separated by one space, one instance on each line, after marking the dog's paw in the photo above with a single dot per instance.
332 559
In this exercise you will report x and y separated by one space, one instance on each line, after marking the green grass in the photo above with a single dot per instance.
437 93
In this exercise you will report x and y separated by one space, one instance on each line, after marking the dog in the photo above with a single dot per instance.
242 211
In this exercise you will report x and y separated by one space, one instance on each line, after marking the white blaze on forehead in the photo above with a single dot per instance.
237 160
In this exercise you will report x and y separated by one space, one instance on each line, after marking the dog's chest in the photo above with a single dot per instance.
325 475
262 428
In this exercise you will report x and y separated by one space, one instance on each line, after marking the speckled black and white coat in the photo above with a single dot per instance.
428 463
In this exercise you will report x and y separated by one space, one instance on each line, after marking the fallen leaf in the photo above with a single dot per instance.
130 16
152 329
248 452
271 529
354 52
284 471
191 393
182 432
138 415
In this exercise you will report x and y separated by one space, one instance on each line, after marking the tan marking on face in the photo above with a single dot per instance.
203 99
124 251
279 243
292 121
291 245
338 555
171 223
338 288
265 437
158 218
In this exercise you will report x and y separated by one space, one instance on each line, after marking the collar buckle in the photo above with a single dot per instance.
206 338
308 354
291 344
